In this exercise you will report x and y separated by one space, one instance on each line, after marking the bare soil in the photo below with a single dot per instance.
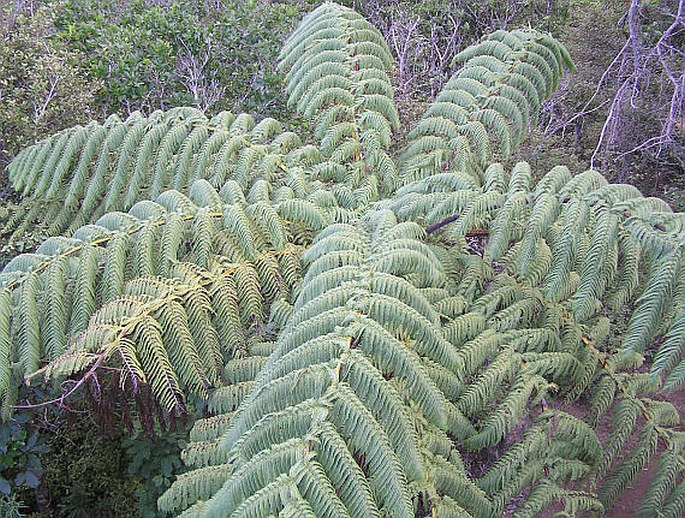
626 506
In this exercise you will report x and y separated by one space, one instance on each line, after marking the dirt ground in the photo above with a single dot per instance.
626 506
628 503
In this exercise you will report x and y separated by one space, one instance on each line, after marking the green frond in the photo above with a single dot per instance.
646 318
84 297
623 423
626 472
337 64
493 97
595 276
669 356
54 333
500 422
123 163
26 316
194 486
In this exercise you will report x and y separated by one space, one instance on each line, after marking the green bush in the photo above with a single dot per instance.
179 53
86 474
42 91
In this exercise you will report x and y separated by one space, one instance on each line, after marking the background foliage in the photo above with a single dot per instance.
41 87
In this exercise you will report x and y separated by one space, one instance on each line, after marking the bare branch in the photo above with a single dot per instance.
39 111
640 72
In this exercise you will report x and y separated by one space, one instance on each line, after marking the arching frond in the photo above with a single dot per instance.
491 99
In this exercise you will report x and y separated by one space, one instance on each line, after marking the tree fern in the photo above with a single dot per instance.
368 344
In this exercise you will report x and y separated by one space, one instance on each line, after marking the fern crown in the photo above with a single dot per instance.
365 323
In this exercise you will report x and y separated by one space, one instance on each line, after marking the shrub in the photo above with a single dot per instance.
42 91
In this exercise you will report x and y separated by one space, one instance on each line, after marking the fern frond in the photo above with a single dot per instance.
137 159
505 86
337 73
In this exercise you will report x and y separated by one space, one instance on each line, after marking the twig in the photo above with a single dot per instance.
437 226
79 383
